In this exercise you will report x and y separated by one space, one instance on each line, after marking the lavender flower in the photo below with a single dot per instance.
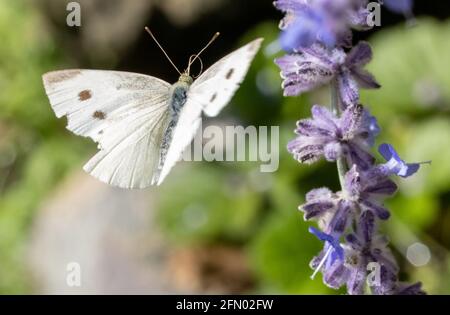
316 32
349 136
316 66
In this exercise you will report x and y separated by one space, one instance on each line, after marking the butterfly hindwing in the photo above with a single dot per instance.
130 156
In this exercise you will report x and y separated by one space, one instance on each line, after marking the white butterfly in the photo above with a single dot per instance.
142 124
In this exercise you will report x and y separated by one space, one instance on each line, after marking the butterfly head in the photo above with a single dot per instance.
186 78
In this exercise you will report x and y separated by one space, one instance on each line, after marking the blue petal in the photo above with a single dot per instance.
394 164
309 26
324 237
388 151
338 250
399 6
411 169
296 36
327 37
333 241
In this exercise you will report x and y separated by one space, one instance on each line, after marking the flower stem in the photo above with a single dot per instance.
342 166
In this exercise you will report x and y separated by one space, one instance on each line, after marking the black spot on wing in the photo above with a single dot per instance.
84 95
229 74
99 115
213 98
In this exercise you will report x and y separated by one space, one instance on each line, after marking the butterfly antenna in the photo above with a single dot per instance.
201 65
217 34
162 49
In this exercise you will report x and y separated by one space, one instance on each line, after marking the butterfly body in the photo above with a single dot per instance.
178 96
142 124
177 99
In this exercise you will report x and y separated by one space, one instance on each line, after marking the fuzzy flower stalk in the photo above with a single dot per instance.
317 34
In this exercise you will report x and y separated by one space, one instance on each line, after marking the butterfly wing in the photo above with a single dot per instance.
217 85
125 113
210 93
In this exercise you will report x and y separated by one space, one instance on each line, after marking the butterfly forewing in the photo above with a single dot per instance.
125 113
210 93
215 88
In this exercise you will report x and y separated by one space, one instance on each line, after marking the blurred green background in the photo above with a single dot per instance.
225 227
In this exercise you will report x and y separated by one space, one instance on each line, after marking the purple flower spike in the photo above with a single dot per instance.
395 165
318 36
